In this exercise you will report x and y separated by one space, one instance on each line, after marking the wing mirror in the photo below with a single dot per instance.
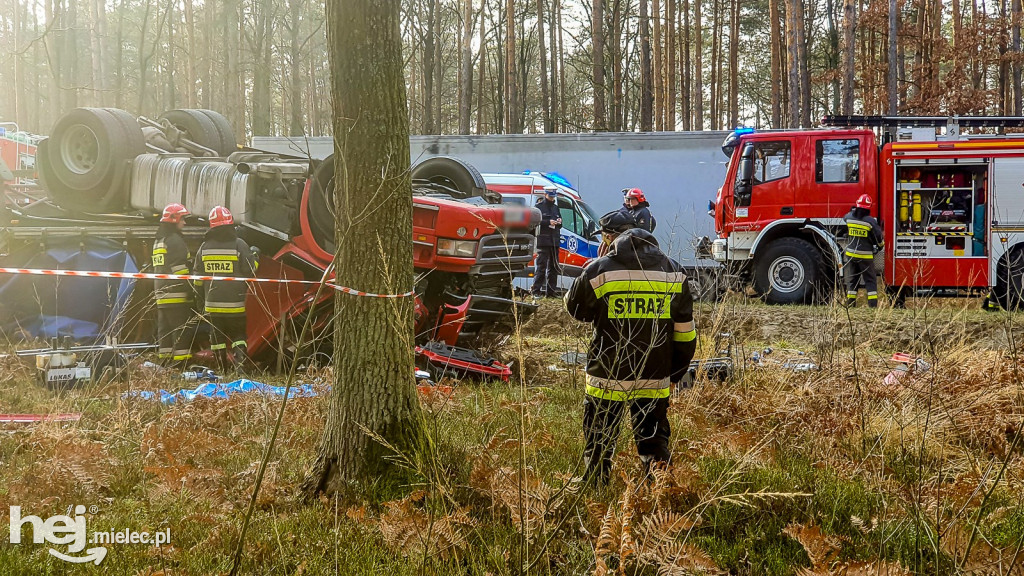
745 177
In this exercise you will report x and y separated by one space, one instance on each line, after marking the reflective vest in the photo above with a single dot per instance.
170 256
230 258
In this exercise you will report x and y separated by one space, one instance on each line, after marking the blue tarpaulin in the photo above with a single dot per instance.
223 390
85 309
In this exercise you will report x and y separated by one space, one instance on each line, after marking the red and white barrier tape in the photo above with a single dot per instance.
142 275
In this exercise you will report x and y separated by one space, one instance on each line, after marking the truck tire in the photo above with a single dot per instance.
85 162
1009 288
197 127
228 143
320 205
787 271
460 180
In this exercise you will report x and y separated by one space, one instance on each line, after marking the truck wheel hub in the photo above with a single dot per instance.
79 149
786 274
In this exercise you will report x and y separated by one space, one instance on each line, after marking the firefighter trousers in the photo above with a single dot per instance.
601 420
227 340
176 331
857 271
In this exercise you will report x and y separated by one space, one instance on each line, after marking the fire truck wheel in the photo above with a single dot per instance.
197 126
1009 288
788 271
228 143
320 205
462 180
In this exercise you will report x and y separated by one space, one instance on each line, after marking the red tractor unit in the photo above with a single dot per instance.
106 176
951 207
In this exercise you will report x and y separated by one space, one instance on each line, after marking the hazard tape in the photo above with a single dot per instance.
143 275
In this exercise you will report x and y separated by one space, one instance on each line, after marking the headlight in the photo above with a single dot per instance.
461 248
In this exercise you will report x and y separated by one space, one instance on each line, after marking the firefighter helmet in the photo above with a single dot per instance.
220 216
864 201
173 213
616 222
634 193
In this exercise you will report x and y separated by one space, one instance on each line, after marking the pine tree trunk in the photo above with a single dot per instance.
657 82
99 60
616 52
792 61
686 87
716 81
295 124
698 69
373 392
512 125
261 111
646 81
600 113
428 68
191 52
734 66
553 52
466 68
543 57
775 36
1015 46
483 70
849 51
170 94
671 47
561 68
894 68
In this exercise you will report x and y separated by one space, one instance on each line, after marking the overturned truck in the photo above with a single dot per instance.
106 175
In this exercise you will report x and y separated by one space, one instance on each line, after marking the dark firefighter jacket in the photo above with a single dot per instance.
865 234
171 256
224 254
642 216
548 236
640 304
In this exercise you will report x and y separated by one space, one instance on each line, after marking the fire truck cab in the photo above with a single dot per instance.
952 209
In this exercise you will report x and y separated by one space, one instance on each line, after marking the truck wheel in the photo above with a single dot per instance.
85 161
197 127
459 179
228 143
320 205
788 271
1009 288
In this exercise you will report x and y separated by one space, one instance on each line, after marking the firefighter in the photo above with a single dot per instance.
635 203
865 240
545 277
174 298
639 302
223 253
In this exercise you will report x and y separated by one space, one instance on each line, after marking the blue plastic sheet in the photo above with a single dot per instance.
223 390
85 309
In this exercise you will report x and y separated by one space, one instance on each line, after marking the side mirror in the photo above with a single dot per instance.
745 177
590 229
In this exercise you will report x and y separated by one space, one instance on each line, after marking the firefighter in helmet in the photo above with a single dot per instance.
634 203
639 302
223 253
174 298
865 240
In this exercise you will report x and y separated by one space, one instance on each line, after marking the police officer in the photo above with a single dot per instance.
545 276
174 298
865 240
635 203
223 253
640 304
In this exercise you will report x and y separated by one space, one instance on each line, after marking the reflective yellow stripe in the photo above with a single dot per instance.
861 256
872 296
650 286
179 357
238 310
639 306
172 300
219 257
684 336
159 250
619 396
238 343
219 347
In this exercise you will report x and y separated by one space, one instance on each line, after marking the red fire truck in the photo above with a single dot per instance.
951 206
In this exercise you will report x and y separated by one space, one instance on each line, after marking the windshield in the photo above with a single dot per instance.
588 211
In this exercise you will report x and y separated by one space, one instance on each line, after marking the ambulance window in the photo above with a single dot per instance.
519 200
570 221
771 161
837 161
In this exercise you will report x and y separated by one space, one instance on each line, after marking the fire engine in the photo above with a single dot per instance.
106 175
951 206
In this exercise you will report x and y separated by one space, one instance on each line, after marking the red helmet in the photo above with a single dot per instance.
864 201
174 213
220 216
635 193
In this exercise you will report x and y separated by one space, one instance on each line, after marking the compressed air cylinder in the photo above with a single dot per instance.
904 209
916 212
